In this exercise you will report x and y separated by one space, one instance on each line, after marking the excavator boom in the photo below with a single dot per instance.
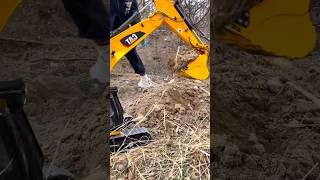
171 15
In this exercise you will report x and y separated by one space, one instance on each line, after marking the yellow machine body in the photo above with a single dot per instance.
167 14
6 9
115 133
277 27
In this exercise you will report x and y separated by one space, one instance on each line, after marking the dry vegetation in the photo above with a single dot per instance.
177 114
175 111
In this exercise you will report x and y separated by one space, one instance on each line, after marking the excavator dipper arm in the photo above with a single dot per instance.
171 15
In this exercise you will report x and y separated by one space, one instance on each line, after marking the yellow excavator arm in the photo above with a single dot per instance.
171 15
7 7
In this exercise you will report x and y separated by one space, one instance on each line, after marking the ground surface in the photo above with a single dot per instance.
266 123
266 116
65 110
176 111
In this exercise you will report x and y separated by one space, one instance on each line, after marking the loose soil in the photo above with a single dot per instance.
266 116
65 108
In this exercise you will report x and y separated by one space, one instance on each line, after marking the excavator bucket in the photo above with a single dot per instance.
6 9
277 27
197 69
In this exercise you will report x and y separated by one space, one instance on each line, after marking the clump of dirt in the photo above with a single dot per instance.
266 116
176 112
183 57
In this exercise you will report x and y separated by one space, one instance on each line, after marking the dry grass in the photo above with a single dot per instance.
181 140
184 157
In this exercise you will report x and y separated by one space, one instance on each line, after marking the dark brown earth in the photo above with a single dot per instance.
266 112
266 116
66 110
265 127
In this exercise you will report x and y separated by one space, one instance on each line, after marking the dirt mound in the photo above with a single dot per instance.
266 116
176 112
36 20
70 129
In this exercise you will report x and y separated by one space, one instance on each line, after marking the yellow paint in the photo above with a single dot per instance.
2 104
115 133
197 69
7 7
279 27
165 14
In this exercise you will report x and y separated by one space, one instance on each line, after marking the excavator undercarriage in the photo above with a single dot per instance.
121 137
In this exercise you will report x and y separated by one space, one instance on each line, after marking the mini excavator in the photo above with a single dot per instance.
269 27
123 39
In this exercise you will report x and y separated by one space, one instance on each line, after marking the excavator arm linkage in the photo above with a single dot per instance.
171 15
